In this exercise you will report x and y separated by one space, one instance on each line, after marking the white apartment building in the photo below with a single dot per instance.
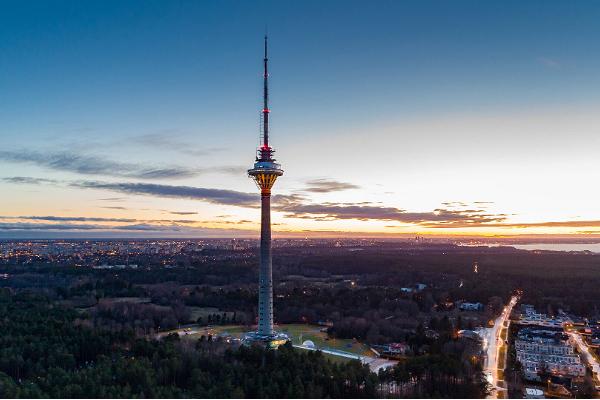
551 348
544 347
532 367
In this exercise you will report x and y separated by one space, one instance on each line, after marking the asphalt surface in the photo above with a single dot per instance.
492 343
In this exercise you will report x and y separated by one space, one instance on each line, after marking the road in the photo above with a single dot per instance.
587 357
492 343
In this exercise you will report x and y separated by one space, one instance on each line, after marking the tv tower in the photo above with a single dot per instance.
265 173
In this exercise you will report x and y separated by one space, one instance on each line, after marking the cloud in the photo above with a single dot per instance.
26 180
235 170
545 224
215 196
182 212
28 226
54 218
455 204
549 62
366 211
328 185
166 140
239 222
92 165
209 195
141 229
69 219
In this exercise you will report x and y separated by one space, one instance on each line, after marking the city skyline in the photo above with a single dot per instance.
128 122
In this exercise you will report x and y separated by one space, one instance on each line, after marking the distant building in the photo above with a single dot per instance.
416 288
469 335
431 334
471 306
533 393
392 350
327 323
530 317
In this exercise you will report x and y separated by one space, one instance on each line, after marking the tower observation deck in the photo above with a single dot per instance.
264 173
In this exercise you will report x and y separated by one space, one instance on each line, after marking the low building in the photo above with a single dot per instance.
469 334
392 350
471 306
530 317
533 393
543 341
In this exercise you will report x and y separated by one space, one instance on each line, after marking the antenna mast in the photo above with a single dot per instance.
266 110
265 152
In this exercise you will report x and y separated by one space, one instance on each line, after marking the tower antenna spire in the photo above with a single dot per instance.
266 110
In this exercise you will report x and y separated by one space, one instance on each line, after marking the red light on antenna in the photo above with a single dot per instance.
266 110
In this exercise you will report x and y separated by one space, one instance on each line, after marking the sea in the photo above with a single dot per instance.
593 247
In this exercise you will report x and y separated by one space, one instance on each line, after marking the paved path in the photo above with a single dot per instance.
374 363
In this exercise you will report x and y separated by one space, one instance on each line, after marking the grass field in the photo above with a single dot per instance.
137 300
298 333
204 312
302 332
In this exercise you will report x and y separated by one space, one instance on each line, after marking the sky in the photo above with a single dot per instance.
390 118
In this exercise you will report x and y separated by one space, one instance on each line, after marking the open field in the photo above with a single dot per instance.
136 300
204 312
302 332
297 332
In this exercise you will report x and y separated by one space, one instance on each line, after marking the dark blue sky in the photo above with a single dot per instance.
157 60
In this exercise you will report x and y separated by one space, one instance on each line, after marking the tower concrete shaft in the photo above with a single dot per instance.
265 289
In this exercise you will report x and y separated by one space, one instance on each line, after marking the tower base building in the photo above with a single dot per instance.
271 341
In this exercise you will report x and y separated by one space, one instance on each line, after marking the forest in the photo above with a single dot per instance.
45 351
